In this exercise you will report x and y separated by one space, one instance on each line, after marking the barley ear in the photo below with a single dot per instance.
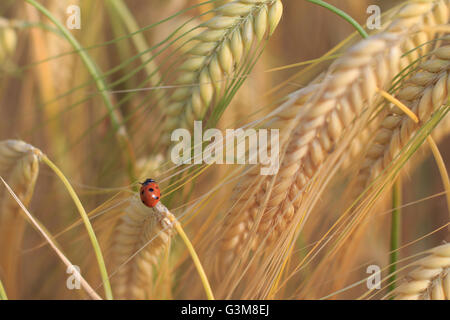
8 42
140 237
220 48
431 278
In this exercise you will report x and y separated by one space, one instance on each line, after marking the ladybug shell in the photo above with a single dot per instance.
150 194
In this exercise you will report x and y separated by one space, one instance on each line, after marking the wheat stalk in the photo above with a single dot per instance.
431 278
141 235
442 130
340 100
19 164
215 56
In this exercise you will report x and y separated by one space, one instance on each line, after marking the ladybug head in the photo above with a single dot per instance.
146 182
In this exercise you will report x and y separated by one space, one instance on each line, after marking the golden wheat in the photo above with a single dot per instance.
321 126
423 93
431 278
215 55
341 99
142 232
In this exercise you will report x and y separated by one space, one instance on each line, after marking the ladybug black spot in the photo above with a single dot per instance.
157 198
142 192
151 189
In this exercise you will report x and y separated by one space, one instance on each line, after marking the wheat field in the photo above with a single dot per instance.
354 93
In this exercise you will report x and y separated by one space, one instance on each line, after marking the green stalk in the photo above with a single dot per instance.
395 230
87 223
342 14
3 295
124 142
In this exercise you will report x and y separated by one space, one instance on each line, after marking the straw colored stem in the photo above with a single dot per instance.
87 223
198 265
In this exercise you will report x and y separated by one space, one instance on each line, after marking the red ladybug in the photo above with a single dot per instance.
150 193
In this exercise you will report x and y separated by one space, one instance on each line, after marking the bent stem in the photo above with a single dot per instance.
162 209
399 104
87 223
342 14
434 148
197 263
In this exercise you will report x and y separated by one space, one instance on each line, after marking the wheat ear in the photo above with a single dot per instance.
19 164
423 93
315 144
140 237
216 55
319 128
431 278
375 60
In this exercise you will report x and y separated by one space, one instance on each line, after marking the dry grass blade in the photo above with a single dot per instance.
431 278
19 164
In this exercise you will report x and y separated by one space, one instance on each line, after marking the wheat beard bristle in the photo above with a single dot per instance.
140 228
351 86
19 166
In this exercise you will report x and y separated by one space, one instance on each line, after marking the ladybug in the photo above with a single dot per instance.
150 193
